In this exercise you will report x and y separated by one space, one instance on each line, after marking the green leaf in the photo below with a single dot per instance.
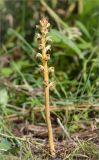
6 71
60 38
5 145
90 5
3 97
19 36
83 29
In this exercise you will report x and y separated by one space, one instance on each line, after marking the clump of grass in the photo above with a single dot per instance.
84 150
44 56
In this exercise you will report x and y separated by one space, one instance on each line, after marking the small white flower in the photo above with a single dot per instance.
97 120
40 46
48 25
52 85
45 32
37 26
51 70
39 55
38 36
41 68
48 38
48 48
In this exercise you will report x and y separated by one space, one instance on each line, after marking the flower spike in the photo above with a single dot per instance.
44 48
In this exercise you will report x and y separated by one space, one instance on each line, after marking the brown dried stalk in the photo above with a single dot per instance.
44 47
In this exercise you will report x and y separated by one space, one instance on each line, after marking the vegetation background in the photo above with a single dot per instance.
75 97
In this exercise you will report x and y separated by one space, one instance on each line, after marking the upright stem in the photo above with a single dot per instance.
43 29
47 110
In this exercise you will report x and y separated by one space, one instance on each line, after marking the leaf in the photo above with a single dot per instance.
18 35
83 29
54 3
90 5
3 97
65 41
6 71
5 145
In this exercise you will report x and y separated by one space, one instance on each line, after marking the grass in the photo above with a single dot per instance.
28 147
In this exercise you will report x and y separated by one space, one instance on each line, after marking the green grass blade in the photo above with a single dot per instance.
57 36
